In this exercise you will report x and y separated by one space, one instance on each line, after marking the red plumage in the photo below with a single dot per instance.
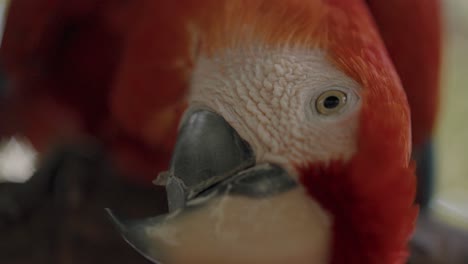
412 32
370 197
368 227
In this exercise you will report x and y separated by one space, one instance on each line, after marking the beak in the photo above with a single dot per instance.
214 189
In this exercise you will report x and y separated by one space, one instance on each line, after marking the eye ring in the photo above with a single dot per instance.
330 102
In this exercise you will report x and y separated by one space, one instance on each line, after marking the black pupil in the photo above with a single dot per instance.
331 102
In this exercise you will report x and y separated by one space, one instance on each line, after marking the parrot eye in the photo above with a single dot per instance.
330 102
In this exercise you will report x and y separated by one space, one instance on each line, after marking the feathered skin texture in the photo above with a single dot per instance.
412 33
370 197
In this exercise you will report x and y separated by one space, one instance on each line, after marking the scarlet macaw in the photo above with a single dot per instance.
294 104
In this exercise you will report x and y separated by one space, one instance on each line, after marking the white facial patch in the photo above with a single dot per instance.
271 98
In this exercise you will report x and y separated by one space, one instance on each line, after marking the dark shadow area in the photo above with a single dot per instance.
58 216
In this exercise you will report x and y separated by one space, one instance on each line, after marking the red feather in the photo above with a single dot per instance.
412 32
371 209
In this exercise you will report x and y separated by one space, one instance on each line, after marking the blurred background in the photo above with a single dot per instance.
62 221
451 201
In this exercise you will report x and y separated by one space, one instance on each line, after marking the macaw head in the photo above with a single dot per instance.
295 144
293 139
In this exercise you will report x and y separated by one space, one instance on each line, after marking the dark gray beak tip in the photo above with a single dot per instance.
133 233
115 220
126 229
